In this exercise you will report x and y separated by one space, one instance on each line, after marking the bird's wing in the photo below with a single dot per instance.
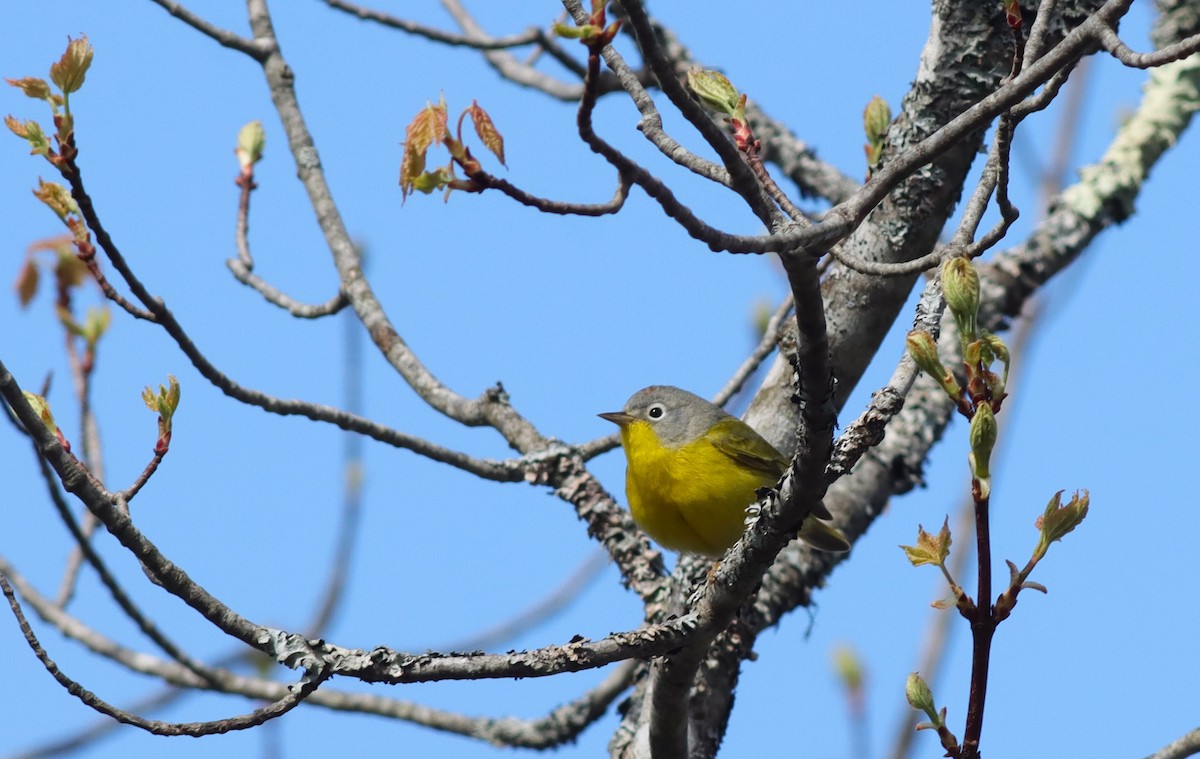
741 443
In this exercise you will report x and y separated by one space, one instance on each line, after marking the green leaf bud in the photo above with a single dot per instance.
250 142
983 439
960 284
920 697
716 93
923 349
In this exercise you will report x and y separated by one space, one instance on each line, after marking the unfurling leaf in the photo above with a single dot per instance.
31 132
69 72
32 86
486 129
427 128
429 181
165 401
930 549
57 198
1058 520
16 127
594 33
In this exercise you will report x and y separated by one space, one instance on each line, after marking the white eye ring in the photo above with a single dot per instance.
656 411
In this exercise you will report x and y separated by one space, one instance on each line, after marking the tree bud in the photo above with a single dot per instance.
960 284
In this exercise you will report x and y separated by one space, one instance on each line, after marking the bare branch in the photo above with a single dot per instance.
379 665
742 179
531 36
297 694
243 266
560 726
1186 745
520 73
814 177
1169 54
651 125
276 297
256 49
558 207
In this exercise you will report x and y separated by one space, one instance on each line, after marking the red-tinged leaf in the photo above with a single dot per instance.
32 86
57 198
427 128
16 127
27 282
69 72
486 129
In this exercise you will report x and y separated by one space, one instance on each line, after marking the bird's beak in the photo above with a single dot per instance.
617 417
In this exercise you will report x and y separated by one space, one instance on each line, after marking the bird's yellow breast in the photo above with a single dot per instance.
692 498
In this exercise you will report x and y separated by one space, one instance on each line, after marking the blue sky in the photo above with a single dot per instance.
572 316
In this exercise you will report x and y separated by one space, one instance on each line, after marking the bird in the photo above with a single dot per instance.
693 469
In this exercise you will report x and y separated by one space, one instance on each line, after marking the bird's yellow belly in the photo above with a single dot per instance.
691 499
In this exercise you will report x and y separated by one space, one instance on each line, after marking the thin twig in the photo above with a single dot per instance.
252 48
742 179
559 207
243 266
528 37
650 125
1176 52
122 599
299 692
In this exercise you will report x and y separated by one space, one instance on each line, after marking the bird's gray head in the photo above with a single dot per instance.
676 416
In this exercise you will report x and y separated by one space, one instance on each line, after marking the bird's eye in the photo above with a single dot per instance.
656 411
